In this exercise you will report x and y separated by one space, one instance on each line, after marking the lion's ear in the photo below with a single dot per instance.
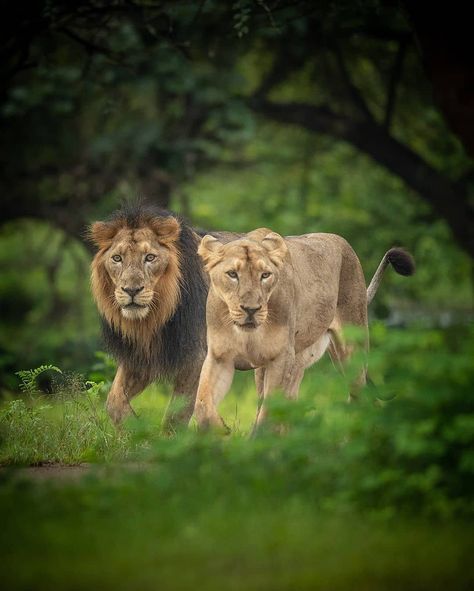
101 233
167 229
276 247
209 249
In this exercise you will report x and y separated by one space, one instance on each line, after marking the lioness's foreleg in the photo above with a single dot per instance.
214 383
125 386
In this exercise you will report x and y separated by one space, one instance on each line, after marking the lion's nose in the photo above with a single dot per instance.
132 291
250 311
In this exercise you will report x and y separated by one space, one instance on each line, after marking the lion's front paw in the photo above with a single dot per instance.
117 412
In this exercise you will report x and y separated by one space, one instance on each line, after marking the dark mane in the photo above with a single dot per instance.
175 342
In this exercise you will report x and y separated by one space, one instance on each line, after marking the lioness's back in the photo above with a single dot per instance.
326 273
320 257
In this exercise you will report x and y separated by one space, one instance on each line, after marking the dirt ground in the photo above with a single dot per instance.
47 471
70 473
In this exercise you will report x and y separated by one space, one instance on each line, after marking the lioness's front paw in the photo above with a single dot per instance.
209 419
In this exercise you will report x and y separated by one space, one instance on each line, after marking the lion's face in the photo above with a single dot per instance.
244 274
136 262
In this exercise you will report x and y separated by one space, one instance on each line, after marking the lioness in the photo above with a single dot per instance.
276 305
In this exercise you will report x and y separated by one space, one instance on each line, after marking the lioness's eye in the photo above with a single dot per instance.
232 274
265 275
150 257
117 258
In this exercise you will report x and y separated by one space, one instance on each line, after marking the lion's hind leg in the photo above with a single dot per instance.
181 404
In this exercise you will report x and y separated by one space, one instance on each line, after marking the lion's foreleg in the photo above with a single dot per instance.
214 383
125 386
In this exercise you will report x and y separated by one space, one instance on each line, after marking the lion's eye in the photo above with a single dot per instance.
232 274
265 275
117 258
150 257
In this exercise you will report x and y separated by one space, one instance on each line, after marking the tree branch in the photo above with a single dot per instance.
393 83
91 47
450 200
281 67
351 89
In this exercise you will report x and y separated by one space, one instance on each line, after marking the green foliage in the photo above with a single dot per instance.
47 309
119 531
68 427
406 446
103 369
29 377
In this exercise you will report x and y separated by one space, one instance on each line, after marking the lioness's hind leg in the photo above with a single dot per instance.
276 375
259 383
341 351
259 380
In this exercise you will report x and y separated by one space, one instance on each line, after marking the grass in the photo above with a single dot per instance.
367 496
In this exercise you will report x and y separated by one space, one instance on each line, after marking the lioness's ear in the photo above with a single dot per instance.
167 229
101 233
209 249
276 247
259 234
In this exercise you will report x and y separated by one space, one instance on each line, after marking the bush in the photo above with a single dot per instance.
406 446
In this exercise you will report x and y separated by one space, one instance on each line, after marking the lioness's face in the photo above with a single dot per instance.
243 274
135 260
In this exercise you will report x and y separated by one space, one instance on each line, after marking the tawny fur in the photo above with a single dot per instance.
276 305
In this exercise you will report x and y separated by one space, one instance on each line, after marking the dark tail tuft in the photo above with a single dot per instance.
401 261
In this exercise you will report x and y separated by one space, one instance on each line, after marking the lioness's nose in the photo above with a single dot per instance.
250 311
132 291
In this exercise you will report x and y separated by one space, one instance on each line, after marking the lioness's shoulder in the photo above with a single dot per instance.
318 240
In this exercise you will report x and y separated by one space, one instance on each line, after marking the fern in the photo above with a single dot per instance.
28 377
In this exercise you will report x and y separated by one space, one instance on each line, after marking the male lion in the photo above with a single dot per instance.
150 289
276 304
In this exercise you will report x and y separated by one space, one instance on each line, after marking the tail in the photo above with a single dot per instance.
401 261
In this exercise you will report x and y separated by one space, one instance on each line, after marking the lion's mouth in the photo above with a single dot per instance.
133 306
134 311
